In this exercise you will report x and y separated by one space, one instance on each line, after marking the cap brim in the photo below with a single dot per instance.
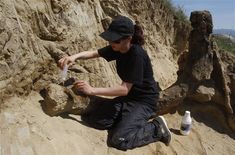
110 36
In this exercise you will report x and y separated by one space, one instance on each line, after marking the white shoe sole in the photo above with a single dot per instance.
164 121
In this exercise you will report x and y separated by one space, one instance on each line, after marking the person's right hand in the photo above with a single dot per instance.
67 60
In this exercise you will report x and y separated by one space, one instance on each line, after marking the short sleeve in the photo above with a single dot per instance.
108 53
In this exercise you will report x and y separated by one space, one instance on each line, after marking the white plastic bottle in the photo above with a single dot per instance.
186 123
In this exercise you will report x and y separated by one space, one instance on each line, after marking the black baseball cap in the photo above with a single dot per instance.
120 27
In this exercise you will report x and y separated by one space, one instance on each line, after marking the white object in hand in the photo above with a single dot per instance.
186 123
64 72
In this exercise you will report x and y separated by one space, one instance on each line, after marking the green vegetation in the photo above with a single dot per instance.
178 11
225 43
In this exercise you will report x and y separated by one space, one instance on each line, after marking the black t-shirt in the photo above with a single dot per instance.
134 67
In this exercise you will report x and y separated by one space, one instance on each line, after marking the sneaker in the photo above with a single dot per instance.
166 134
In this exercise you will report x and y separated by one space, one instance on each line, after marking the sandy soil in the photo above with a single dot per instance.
27 130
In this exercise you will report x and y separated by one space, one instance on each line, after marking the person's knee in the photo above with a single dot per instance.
118 141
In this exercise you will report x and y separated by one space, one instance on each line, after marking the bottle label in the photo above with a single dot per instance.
185 127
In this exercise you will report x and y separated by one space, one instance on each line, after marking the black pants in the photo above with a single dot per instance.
126 121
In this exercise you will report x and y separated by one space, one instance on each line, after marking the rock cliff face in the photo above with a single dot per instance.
204 76
35 34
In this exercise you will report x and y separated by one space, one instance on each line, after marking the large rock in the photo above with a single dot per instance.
203 94
202 72
199 64
59 99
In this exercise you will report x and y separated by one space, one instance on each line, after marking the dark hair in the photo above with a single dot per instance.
138 37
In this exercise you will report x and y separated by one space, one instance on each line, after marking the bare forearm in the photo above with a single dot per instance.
86 55
111 91
120 90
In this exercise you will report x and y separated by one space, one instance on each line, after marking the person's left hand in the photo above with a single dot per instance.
84 87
